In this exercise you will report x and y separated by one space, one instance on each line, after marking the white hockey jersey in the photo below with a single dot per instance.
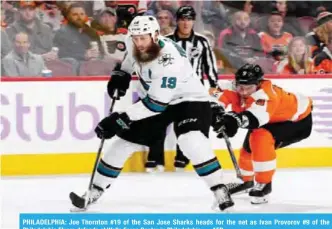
167 80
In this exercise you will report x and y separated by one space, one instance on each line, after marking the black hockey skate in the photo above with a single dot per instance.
180 165
238 188
152 166
259 193
80 201
223 198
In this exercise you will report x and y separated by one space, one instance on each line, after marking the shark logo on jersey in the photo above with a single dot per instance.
166 59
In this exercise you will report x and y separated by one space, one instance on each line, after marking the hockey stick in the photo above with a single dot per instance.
77 200
231 153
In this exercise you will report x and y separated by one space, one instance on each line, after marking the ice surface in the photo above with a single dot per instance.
294 190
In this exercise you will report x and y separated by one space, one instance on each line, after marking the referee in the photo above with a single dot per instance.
202 58
196 45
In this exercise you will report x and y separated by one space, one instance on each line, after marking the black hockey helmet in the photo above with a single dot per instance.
249 74
186 12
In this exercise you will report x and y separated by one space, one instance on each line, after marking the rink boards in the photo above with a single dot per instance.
47 126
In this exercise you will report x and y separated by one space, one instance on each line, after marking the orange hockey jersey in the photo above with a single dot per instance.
323 62
284 67
269 104
269 42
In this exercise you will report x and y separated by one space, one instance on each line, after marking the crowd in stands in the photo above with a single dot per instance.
86 38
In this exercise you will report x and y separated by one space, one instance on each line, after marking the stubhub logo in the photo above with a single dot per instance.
322 112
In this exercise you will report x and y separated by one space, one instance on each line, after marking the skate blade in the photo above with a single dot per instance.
157 169
259 200
177 169
151 170
241 192
215 208
77 210
160 168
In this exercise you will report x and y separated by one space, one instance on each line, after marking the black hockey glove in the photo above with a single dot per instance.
230 122
217 111
113 124
119 81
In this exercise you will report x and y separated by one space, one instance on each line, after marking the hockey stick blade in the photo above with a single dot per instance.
77 200
81 202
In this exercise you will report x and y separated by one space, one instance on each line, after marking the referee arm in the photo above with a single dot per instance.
209 63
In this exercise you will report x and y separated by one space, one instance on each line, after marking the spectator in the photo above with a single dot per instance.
298 60
5 42
318 39
63 7
306 8
291 25
246 6
157 6
135 7
49 13
6 45
112 39
281 6
215 16
186 3
20 61
73 42
3 18
323 60
235 6
127 10
10 11
92 8
165 20
275 40
239 43
40 35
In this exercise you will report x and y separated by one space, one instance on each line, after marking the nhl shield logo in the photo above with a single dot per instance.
194 52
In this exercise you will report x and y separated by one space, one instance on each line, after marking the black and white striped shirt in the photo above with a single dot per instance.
200 55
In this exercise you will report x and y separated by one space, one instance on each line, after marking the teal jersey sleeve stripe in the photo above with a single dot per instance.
153 105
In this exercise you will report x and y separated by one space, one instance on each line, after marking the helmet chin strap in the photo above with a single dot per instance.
155 39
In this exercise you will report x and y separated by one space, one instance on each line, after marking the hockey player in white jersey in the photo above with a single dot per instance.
169 92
